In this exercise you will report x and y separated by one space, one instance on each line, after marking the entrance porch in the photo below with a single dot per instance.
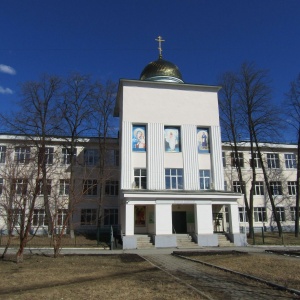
163 219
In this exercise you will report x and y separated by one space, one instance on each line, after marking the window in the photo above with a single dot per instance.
88 216
237 187
237 160
292 187
293 213
66 155
290 161
64 187
273 160
204 179
22 155
19 186
112 157
2 154
255 161
39 218
91 157
41 189
49 155
224 159
226 212
112 188
140 178
225 186
276 188
259 188
260 214
280 213
62 215
1 186
111 216
90 187
16 215
243 214
174 179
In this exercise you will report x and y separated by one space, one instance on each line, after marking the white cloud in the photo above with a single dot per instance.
7 69
5 90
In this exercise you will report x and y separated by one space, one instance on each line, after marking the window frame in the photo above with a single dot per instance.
280 211
64 187
260 214
234 159
88 217
292 188
22 155
39 218
90 187
2 154
259 189
237 187
290 162
91 157
111 216
242 214
273 161
204 179
174 179
112 188
140 178
66 156
276 186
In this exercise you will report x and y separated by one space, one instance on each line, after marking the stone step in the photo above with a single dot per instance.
144 242
223 241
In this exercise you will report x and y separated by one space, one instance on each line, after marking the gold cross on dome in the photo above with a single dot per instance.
159 40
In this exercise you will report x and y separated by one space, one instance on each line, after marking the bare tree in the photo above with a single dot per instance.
102 124
257 117
37 118
232 130
75 110
293 117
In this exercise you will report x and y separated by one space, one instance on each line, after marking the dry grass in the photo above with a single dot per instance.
282 270
272 238
88 277
45 241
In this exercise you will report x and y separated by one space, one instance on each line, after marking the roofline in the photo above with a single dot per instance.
145 83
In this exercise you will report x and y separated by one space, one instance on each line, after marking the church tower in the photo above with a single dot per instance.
172 178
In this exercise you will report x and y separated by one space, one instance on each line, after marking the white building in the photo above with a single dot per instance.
172 177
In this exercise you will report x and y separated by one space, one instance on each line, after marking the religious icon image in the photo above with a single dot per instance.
140 215
203 140
172 140
139 138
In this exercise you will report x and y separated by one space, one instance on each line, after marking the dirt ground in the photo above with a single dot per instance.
282 270
125 276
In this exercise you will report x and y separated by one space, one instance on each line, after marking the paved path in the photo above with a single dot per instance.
212 283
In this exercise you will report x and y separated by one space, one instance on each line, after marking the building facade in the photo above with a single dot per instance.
166 175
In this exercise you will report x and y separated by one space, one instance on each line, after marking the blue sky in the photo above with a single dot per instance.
116 39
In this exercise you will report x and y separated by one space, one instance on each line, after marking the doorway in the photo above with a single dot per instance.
179 221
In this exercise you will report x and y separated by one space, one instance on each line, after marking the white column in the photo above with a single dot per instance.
129 219
190 157
163 218
234 224
126 151
216 154
155 156
203 217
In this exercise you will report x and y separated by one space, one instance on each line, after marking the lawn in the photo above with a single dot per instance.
124 276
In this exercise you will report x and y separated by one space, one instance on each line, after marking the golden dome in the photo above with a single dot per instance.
161 70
